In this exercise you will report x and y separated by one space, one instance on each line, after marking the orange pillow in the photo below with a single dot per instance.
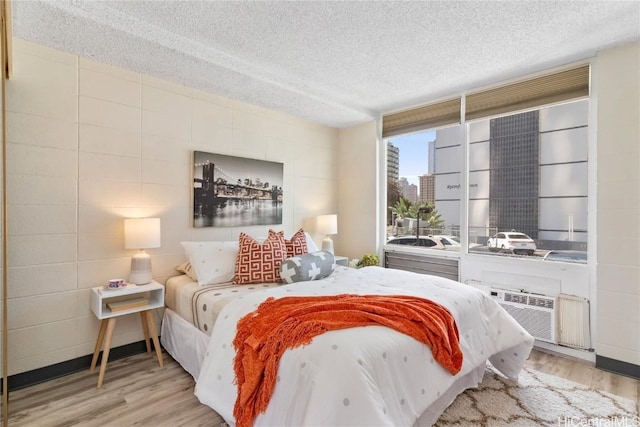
260 263
297 245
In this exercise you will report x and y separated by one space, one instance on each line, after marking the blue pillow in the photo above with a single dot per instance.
311 266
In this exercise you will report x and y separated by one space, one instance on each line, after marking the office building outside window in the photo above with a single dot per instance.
527 173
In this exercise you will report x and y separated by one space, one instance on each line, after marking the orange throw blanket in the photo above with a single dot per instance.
279 324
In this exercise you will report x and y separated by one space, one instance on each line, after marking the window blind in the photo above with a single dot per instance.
422 118
560 86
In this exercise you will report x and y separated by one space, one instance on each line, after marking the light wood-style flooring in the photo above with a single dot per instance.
585 373
137 392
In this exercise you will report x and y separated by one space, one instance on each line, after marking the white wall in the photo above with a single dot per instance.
358 191
90 144
617 82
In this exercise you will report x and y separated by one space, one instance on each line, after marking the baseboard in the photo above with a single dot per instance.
618 367
584 355
40 375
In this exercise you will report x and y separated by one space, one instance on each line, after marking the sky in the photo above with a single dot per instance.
414 154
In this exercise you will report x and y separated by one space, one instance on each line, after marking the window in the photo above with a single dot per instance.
528 174
423 193
527 192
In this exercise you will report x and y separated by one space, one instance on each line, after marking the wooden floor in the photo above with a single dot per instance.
585 373
137 392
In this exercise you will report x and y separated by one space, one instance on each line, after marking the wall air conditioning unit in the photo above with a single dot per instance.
536 313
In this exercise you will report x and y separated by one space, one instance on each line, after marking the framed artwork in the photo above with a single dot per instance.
230 191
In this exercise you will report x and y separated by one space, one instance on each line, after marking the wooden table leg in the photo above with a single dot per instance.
107 347
96 350
145 329
154 335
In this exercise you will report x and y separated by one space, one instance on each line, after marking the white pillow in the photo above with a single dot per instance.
213 262
311 245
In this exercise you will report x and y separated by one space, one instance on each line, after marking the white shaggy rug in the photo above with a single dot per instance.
537 399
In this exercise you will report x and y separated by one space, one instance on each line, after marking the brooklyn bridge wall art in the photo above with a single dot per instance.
231 191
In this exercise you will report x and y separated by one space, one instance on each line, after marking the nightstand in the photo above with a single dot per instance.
342 260
109 304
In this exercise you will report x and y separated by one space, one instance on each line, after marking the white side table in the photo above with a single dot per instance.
131 299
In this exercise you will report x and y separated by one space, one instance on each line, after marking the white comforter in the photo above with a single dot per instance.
365 376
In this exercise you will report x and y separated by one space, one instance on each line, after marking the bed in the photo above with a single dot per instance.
366 376
190 312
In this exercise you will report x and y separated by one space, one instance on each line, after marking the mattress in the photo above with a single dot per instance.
201 305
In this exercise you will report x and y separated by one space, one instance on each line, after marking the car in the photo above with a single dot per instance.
512 241
421 241
567 256
448 240
452 242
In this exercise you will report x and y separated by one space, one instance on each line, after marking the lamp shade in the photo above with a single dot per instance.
327 224
141 233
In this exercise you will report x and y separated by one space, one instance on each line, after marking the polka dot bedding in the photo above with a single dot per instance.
373 375
207 303
201 305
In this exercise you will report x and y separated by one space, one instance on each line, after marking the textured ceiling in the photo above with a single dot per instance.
337 63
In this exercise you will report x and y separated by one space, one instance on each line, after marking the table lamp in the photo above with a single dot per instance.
141 234
327 224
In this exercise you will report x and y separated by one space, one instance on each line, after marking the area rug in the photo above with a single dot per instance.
537 399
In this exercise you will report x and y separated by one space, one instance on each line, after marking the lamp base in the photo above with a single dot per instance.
140 269
327 245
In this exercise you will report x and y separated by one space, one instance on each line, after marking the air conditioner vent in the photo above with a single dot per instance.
535 313
541 302
518 298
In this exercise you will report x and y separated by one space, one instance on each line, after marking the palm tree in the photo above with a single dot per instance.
427 212
434 221
394 193
403 208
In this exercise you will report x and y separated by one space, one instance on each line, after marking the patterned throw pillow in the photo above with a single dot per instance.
297 245
313 266
260 263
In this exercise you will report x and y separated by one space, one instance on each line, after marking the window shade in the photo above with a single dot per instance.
422 118
556 87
